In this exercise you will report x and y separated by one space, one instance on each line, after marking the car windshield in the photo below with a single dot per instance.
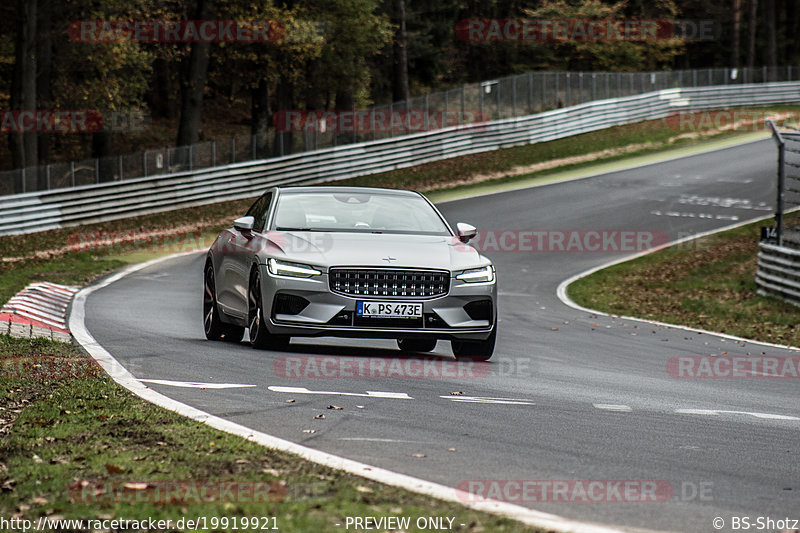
357 212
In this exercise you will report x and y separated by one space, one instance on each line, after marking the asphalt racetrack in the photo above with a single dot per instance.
567 396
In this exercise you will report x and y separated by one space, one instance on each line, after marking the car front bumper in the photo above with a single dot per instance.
332 314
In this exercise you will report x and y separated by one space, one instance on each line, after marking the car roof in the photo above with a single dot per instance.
346 190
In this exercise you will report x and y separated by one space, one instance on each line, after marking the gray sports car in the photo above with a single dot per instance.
350 262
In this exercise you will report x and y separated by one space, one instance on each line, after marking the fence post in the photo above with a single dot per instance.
233 149
555 74
426 125
513 96
214 153
166 160
47 172
191 155
72 171
569 89
444 114
144 163
97 170
119 165
461 115
24 180
253 146
530 92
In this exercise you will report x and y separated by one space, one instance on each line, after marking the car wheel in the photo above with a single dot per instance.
475 350
416 345
260 337
214 328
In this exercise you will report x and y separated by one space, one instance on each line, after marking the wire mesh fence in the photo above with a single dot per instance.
299 131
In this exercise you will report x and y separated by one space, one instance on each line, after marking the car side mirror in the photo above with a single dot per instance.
465 232
244 224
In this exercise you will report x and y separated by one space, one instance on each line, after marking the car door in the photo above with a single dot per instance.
240 249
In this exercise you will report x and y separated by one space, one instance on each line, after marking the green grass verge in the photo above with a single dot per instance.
708 283
57 432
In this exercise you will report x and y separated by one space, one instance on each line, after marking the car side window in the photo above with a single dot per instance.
260 211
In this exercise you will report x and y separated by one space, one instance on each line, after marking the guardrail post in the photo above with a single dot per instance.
781 177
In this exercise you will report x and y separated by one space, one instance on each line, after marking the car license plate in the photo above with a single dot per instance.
389 310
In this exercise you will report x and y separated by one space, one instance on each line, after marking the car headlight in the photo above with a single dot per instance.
477 275
293 270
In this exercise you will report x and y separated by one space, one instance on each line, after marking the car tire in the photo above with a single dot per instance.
213 326
475 350
416 345
260 337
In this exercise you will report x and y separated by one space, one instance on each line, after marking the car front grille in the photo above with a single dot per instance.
390 283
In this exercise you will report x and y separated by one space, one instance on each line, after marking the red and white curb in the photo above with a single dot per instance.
38 310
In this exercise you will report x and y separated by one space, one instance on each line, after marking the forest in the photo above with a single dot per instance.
109 58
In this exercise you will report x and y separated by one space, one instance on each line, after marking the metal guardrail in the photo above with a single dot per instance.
778 272
507 97
29 212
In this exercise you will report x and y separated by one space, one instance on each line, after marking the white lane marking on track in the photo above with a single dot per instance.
683 214
196 385
717 412
613 407
371 439
480 399
369 394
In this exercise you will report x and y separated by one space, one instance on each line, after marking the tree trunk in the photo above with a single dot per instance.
399 52
737 23
23 92
194 83
260 115
772 46
285 102
751 42
162 99
45 68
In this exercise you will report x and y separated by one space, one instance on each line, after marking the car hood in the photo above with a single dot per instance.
327 249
